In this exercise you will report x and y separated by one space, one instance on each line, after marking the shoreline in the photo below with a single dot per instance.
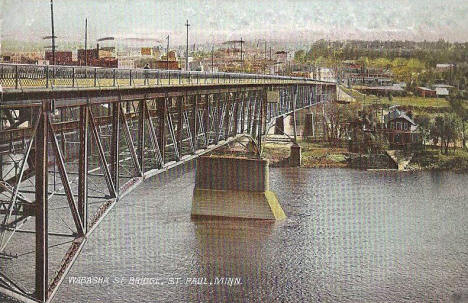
321 155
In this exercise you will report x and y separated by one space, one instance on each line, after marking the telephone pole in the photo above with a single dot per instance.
167 53
53 30
186 51
212 58
86 42
241 54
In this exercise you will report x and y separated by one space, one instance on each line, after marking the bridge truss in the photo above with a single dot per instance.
68 156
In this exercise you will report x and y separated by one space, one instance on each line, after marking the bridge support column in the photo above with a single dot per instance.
295 156
308 125
279 128
41 205
234 187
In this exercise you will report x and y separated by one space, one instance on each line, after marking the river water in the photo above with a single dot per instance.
350 236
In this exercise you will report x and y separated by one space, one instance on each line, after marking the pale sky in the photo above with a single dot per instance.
219 20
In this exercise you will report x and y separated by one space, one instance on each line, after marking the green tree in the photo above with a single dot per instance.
447 127
456 103
424 122
299 56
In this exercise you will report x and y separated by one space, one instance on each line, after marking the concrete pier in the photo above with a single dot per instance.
234 187
279 128
295 157
308 127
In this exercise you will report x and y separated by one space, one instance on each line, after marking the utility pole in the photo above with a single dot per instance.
186 52
270 53
86 42
241 54
212 58
53 30
167 53
264 65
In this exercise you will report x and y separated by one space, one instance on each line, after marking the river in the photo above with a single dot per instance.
350 236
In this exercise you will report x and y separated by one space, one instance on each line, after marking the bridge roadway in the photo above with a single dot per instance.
86 123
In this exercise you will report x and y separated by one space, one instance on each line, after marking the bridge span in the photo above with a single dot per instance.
82 138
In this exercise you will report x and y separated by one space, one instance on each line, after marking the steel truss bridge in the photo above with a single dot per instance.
76 140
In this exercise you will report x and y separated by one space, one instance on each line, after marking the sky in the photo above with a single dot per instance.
221 20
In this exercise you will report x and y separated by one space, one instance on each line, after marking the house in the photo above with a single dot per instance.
401 129
384 90
426 92
444 66
441 91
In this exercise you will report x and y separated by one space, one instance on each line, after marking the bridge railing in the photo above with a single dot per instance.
18 76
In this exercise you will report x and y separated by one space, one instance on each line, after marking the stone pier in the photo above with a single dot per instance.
279 126
234 187
308 127
295 157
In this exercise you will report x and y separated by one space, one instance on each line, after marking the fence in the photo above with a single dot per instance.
19 76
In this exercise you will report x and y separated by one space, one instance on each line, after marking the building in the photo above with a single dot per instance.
426 92
61 57
393 90
104 62
444 66
401 130
127 63
441 92
163 64
42 62
87 55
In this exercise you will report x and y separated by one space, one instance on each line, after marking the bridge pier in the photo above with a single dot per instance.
279 128
308 125
295 157
234 187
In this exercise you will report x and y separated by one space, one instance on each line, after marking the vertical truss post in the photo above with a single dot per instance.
262 117
83 167
206 119
195 124
217 117
180 122
236 113
114 150
254 119
130 144
141 134
41 203
243 112
102 156
153 137
162 112
227 115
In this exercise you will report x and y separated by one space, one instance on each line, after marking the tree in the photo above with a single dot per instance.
447 127
456 103
299 56
424 122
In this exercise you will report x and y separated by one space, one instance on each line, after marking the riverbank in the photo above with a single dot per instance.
323 155
432 159
314 155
